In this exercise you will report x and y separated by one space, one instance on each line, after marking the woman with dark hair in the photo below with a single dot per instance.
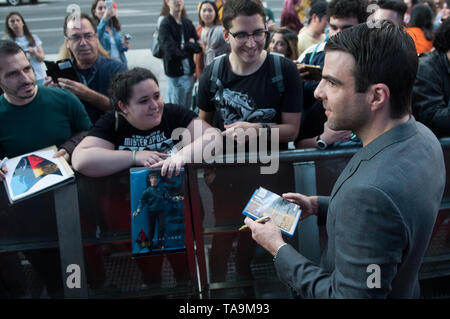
109 30
420 28
409 4
179 42
17 30
139 133
284 41
134 133
210 32
289 15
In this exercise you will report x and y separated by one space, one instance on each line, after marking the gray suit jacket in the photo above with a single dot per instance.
381 211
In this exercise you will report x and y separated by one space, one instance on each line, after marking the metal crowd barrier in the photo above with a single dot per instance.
83 229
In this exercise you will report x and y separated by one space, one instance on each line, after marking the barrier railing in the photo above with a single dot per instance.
75 241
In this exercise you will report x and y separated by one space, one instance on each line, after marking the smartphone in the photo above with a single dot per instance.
315 71
61 69
108 4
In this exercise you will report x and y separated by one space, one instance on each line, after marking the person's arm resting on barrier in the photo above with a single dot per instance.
96 157
194 151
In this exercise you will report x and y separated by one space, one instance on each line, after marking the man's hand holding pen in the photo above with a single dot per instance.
268 235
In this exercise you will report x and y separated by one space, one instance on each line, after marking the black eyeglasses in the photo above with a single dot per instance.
242 37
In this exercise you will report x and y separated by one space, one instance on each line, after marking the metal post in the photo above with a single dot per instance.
307 231
70 242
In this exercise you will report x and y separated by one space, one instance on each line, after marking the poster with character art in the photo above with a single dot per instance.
157 212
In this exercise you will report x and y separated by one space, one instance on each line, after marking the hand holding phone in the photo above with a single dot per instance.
310 72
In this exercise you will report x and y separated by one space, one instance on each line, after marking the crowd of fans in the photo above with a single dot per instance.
305 27
112 105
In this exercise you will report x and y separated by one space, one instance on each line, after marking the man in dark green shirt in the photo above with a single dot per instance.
33 117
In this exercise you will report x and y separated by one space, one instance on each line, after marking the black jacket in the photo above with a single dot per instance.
431 92
170 42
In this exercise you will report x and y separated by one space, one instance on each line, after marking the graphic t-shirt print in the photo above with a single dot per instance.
237 106
156 141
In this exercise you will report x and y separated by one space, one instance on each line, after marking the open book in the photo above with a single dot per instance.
34 173
283 213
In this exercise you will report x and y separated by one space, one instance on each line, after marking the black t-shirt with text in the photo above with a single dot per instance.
127 137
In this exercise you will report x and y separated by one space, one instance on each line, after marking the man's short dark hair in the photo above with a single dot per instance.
234 8
442 37
319 8
342 9
381 54
122 84
8 47
399 6
82 16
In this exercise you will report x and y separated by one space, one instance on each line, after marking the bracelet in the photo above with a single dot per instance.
134 158
276 254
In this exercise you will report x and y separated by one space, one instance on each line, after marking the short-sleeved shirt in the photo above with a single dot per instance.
125 136
38 67
51 118
252 98
98 78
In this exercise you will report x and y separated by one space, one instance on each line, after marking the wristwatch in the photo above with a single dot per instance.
321 144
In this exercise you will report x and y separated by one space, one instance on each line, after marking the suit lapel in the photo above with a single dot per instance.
395 135
348 171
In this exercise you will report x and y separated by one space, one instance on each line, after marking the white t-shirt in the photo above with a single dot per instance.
114 53
38 67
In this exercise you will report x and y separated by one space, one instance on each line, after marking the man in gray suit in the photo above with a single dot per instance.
382 209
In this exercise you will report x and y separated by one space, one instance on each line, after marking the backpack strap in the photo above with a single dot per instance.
217 67
275 67
277 74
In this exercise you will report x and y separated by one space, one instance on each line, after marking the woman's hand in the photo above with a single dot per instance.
148 158
109 13
171 164
32 51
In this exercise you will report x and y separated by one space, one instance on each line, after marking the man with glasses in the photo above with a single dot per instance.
247 100
94 71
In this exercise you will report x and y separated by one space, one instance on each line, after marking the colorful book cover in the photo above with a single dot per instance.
31 174
282 212
157 212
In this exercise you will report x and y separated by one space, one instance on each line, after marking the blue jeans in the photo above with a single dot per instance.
179 90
